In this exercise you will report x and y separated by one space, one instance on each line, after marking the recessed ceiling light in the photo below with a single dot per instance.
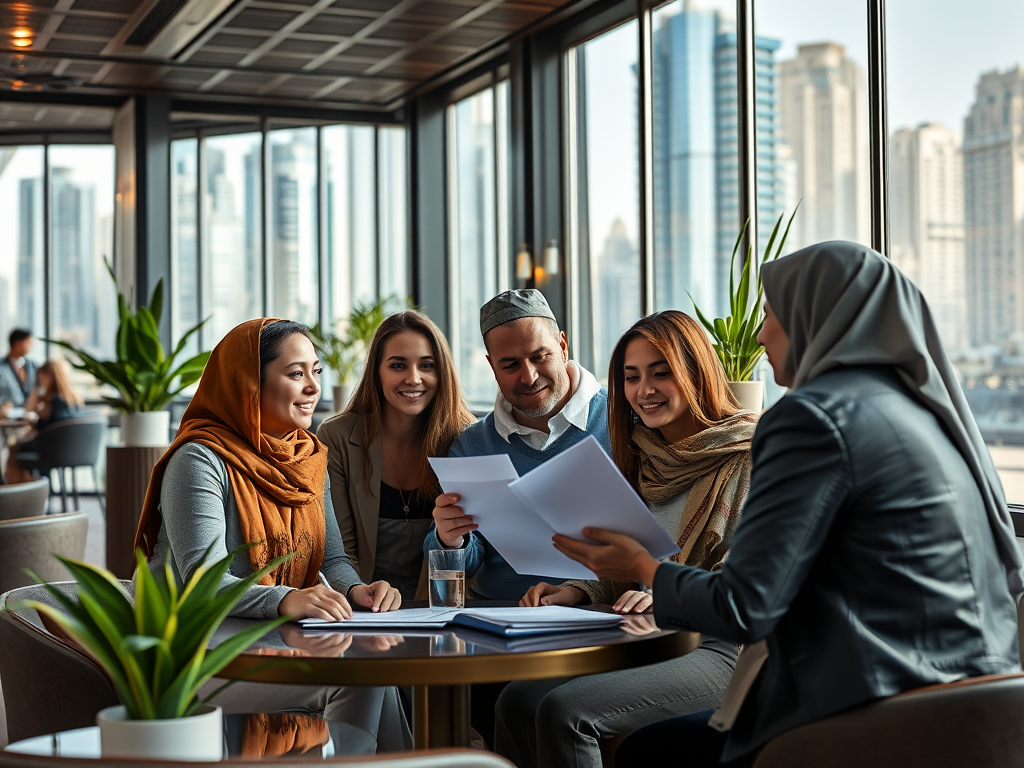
21 33
22 43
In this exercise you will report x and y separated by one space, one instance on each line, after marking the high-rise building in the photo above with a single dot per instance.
29 305
993 157
696 162
73 309
927 221
823 111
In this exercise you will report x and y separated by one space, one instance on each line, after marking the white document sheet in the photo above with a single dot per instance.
581 487
578 488
521 536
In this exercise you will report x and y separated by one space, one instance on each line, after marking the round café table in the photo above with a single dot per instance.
440 665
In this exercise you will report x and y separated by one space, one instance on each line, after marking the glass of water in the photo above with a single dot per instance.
447 573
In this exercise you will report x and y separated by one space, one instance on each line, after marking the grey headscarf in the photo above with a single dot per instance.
843 304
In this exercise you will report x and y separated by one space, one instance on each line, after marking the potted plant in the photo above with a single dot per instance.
155 651
735 337
343 353
145 377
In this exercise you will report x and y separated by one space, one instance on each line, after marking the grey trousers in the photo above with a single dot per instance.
557 723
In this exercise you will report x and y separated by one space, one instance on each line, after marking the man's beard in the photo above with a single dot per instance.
543 408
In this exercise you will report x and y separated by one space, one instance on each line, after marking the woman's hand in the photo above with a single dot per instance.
639 625
378 596
379 643
321 643
552 594
633 601
612 556
317 602
452 524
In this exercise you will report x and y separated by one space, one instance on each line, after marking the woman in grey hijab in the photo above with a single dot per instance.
874 554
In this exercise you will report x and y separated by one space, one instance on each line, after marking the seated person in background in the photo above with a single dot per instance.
875 553
407 406
546 403
679 437
245 469
51 401
17 372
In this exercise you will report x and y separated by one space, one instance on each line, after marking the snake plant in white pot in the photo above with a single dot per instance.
735 337
145 377
155 650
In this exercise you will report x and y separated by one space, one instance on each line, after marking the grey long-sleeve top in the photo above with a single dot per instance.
197 508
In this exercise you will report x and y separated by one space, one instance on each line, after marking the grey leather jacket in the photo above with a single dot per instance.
863 556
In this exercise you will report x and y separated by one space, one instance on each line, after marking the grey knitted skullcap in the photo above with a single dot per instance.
513 305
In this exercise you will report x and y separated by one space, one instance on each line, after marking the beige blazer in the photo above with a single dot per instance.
356 508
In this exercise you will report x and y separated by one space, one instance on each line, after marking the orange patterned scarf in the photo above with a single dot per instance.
278 484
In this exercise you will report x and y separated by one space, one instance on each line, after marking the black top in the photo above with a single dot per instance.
392 501
59 410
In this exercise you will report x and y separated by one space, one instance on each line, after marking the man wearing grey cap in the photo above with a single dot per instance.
546 403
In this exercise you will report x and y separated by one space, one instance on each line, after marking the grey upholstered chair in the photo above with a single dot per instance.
31 542
974 722
24 499
48 684
67 444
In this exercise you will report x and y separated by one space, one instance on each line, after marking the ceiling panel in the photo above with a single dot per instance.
246 47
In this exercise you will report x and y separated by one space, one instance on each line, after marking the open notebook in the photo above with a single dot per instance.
507 622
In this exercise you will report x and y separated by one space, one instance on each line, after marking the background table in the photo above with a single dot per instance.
441 664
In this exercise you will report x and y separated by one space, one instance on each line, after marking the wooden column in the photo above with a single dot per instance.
128 471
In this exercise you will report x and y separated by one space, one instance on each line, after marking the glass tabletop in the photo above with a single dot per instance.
252 736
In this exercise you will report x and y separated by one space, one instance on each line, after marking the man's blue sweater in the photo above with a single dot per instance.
495 579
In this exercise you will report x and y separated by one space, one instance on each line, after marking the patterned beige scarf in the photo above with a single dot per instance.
714 465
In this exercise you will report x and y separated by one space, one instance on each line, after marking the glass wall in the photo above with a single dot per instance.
351 217
308 248
22 281
957 198
292 224
232 242
603 146
68 257
812 117
184 283
477 205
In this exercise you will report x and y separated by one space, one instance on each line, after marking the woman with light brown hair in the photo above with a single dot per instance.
408 406
681 440
51 401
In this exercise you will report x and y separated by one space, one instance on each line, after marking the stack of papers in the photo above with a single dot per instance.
580 487
507 622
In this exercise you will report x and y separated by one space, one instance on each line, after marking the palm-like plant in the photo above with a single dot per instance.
735 337
155 648
145 377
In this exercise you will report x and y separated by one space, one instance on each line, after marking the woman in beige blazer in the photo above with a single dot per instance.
408 406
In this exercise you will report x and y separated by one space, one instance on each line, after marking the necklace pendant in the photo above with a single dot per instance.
406 509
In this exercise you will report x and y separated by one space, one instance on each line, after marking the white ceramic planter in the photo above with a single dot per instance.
750 394
199 738
147 429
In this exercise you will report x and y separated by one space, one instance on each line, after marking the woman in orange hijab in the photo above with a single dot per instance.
244 468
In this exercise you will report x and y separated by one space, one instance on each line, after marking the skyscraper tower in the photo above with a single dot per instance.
696 171
927 221
72 246
993 157
823 108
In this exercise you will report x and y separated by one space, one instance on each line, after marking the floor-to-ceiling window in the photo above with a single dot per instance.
477 201
303 223
53 255
956 197
603 96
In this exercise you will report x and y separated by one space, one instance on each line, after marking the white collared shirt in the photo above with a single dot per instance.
583 386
